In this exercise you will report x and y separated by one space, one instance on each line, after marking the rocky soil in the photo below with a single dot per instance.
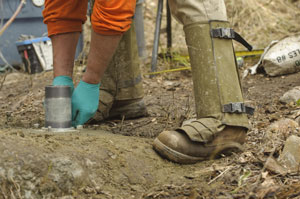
115 159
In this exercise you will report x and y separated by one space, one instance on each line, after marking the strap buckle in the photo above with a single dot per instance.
238 107
228 33
225 33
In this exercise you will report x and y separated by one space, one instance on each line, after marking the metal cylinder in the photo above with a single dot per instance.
58 112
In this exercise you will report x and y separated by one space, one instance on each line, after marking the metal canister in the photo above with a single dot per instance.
58 107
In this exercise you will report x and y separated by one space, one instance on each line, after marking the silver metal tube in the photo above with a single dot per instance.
156 36
58 112
139 28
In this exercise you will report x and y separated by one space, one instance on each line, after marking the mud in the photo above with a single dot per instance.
37 164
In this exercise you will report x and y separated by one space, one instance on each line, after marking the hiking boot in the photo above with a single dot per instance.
178 146
127 109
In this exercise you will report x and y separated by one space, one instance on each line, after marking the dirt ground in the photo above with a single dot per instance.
115 159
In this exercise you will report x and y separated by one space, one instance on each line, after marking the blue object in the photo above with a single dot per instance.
31 41
85 101
28 22
63 81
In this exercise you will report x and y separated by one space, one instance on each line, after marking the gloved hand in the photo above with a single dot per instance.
85 100
63 81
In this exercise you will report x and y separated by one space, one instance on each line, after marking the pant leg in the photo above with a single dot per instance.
63 16
215 76
192 11
122 79
112 17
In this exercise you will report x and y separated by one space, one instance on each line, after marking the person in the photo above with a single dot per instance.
64 19
221 123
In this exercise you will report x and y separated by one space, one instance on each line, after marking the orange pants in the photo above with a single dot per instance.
110 17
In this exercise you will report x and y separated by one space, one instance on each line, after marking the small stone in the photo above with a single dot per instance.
79 127
272 165
66 197
98 189
290 156
36 126
170 85
292 96
297 120
283 128
240 61
88 190
21 134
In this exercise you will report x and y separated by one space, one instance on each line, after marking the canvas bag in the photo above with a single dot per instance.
280 57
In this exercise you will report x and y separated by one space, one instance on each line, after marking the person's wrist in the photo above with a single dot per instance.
63 80
91 78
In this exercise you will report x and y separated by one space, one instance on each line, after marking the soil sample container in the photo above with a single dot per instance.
58 108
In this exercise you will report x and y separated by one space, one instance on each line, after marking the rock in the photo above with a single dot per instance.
298 120
291 96
273 166
268 187
88 190
170 85
240 62
290 156
282 128
66 197
66 172
14 78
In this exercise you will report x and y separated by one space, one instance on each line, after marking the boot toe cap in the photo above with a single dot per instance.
175 146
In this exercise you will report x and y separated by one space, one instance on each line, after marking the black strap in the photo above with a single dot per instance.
239 38
228 33
238 107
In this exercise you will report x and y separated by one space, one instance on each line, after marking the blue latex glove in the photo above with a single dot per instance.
85 101
63 81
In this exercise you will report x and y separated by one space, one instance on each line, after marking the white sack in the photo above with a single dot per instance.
280 57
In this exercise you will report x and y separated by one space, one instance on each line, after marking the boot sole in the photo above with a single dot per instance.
134 110
181 158
173 155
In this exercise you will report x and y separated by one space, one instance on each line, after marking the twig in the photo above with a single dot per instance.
260 175
3 80
122 122
7 24
230 167
17 187
3 193
142 125
29 72
12 195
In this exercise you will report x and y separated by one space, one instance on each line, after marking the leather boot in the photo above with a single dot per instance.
222 123
178 147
